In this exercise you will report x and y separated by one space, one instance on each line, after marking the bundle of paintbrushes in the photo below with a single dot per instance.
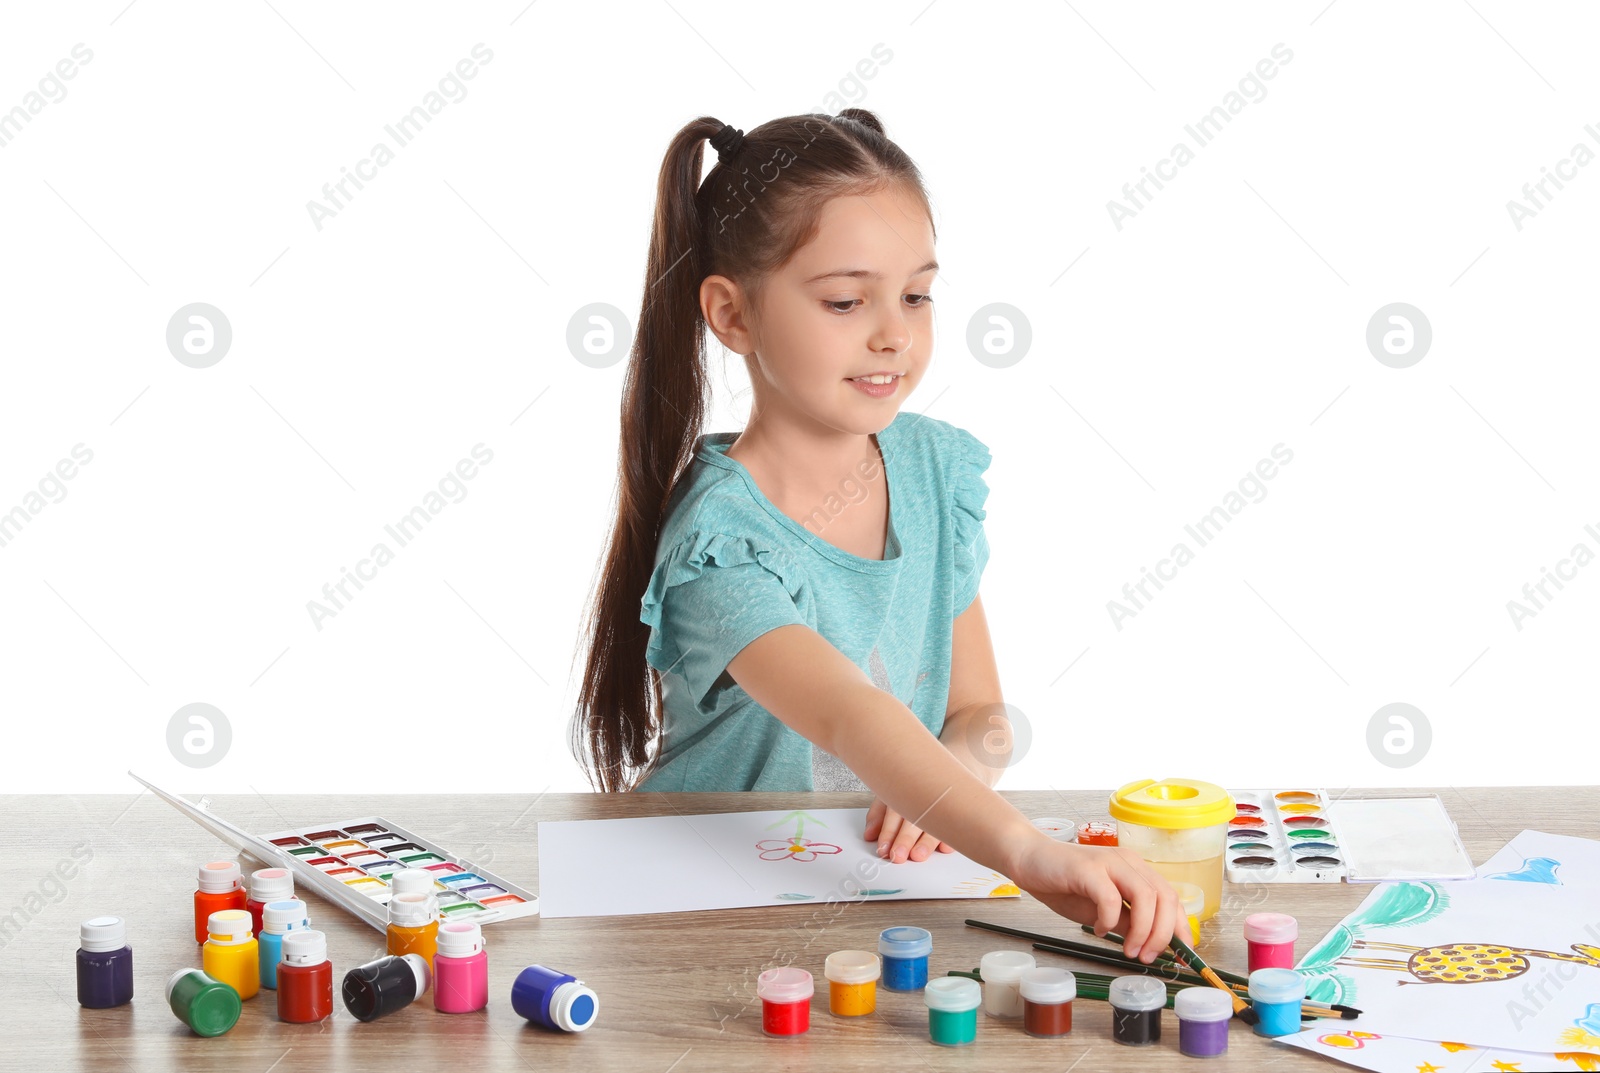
1185 970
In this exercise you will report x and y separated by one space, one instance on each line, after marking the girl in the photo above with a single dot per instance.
796 608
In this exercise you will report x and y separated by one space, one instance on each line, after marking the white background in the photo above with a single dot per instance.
430 314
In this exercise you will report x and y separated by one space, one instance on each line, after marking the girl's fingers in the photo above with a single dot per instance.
1108 903
945 847
903 841
888 832
925 847
874 819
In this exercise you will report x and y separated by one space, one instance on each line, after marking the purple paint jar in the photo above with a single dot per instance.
105 964
1203 1016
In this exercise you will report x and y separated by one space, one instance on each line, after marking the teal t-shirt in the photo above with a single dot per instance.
730 566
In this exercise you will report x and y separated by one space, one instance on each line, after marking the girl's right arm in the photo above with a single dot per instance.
797 675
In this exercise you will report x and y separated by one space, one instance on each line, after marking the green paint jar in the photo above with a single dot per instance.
952 1009
209 1007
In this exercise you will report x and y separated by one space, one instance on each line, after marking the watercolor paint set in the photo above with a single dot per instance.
364 853
1283 836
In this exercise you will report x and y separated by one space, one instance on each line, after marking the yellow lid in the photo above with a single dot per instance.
1172 803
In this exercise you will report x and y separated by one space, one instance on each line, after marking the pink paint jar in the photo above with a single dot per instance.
460 969
1269 940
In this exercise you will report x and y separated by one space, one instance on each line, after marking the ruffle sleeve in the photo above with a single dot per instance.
970 458
709 596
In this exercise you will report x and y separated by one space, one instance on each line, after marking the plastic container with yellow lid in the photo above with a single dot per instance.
1180 827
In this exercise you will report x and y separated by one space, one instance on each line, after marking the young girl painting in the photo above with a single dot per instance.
796 607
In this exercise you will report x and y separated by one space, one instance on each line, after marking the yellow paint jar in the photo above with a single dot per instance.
852 982
1180 827
414 925
231 955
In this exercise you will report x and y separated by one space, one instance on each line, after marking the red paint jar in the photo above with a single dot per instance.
785 995
267 885
220 888
1097 833
305 978
1269 940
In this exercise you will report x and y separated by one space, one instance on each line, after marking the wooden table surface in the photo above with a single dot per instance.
676 990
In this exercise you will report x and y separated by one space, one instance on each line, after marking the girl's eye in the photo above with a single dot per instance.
850 303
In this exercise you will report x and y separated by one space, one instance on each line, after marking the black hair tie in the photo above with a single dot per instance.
727 142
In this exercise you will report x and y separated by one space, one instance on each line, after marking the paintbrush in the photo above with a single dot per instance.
1241 1009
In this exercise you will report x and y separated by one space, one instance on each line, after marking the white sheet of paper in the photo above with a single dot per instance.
678 863
1546 999
1395 1054
1553 860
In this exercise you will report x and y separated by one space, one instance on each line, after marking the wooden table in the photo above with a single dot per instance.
676 991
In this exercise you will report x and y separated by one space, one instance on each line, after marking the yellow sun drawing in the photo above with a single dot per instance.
993 885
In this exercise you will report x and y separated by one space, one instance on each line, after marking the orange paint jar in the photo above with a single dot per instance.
852 982
414 925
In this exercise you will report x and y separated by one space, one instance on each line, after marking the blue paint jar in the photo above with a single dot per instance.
105 964
1276 995
277 920
554 999
905 953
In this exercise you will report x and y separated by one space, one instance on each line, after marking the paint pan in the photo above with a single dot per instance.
1282 836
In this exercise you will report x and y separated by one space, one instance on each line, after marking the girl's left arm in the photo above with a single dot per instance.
977 731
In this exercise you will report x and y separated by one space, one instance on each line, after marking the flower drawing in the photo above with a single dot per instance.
793 849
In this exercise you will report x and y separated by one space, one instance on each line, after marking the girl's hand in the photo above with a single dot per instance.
1089 884
898 839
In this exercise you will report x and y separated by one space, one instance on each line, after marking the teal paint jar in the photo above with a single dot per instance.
952 1009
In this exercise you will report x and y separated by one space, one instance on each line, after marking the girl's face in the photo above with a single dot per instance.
851 302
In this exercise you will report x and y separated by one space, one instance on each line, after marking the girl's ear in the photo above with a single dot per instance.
725 307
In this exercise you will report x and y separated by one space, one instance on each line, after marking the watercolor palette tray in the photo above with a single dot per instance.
363 853
1282 836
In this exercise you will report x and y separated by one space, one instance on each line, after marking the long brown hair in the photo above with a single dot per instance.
749 216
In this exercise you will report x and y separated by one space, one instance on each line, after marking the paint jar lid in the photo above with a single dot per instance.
1192 896
459 940
229 927
785 984
905 942
412 881
1048 985
1270 928
1060 830
305 947
1203 1004
413 910
219 877
102 934
1004 966
952 994
1138 993
271 884
1277 985
1172 803
573 1006
851 966
284 916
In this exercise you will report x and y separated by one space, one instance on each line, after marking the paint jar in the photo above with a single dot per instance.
105 964
1002 971
1180 827
1276 995
383 986
952 1009
1136 1005
1193 900
414 925
1203 1016
1047 996
905 953
209 1007
852 982
554 999
231 953
460 970
785 995
305 979
412 881
1060 830
267 885
278 919
1269 940
220 888
1097 833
